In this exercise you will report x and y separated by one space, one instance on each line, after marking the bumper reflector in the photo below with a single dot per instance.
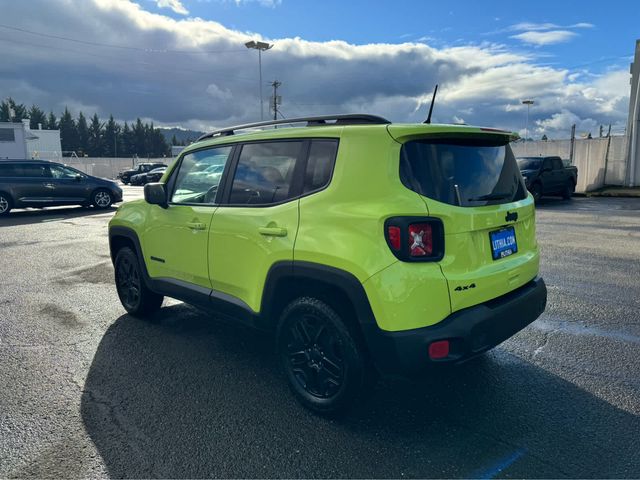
439 349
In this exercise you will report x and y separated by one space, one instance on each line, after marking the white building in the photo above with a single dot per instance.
18 141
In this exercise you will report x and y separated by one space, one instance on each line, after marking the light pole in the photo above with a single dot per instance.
261 47
528 103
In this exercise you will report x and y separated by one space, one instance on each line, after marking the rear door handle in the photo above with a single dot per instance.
49 185
273 231
196 226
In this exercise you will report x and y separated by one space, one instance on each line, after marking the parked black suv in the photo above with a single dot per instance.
126 175
39 183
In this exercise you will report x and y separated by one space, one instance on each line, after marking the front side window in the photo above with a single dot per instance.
466 173
264 174
61 172
196 184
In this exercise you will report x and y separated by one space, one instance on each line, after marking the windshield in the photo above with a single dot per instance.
467 173
529 163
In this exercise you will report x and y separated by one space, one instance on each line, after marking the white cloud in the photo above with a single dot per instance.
175 5
198 73
529 26
549 37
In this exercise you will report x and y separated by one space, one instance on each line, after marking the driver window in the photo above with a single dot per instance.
199 176
60 172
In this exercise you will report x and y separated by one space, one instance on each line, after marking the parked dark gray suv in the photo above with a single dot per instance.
39 183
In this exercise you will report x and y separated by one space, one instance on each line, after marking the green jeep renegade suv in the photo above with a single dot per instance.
365 247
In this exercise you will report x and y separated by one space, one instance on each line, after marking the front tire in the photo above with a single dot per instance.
5 204
102 199
327 368
134 295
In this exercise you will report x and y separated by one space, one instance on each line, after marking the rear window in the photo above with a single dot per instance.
466 173
529 163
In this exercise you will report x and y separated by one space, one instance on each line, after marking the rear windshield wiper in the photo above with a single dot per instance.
491 196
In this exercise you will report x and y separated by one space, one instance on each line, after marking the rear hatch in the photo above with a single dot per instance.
469 178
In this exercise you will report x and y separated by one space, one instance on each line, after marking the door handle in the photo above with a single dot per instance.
196 226
273 231
48 185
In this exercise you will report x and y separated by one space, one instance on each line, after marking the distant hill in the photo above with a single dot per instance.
187 136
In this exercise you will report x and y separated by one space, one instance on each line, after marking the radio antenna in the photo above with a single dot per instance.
433 100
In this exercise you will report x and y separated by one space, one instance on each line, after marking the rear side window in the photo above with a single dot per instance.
34 170
8 170
322 157
264 174
466 173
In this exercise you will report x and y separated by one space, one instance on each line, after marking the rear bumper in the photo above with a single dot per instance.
470 331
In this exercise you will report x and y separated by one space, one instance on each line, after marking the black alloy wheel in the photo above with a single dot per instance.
315 355
135 297
326 364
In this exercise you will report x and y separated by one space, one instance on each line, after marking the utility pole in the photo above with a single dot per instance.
275 98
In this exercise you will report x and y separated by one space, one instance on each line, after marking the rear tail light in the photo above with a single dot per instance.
415 239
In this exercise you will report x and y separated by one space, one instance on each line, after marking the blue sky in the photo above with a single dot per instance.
183 62
606 42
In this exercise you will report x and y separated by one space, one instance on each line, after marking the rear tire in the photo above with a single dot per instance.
102 199
5 204
327 368
134 295
536 191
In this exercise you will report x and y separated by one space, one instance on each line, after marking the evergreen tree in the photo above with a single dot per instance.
139 138
37 116
127 141
83 135
10 111
95 144
68 132
52 122
112 140
174 140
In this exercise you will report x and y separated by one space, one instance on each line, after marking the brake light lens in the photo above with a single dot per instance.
393 233
415 239
420 239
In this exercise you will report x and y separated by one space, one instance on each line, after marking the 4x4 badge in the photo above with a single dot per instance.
464 287
511 217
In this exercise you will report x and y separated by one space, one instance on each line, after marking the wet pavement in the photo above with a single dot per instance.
87 391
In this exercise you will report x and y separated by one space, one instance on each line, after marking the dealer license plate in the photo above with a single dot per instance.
503 242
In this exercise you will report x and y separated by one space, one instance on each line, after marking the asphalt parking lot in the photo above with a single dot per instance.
87 391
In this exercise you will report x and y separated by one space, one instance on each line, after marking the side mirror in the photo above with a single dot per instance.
78 177
155 194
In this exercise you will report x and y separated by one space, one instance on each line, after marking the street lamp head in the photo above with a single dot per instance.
527 102
258 45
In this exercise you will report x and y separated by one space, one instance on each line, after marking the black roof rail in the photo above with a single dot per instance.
344 119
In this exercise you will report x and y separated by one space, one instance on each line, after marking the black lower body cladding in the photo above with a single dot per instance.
470 332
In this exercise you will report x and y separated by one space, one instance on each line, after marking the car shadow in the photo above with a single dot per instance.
191 397
29 216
